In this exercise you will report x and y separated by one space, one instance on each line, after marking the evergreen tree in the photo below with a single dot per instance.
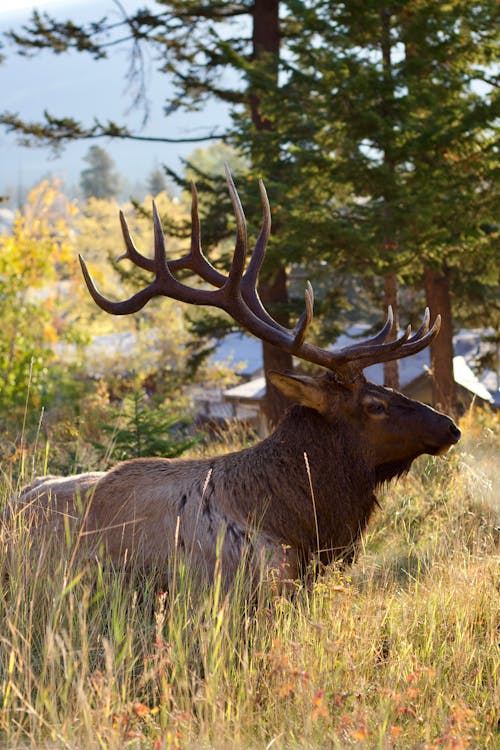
195 45
157 182
371 102
100 179
386 103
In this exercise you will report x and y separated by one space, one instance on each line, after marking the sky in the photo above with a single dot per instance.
75 85
12 7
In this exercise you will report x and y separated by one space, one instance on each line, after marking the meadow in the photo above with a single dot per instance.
400 650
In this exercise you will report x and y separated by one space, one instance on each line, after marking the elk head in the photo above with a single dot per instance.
396 429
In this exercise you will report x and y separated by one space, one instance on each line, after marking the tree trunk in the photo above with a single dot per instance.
273 288
437 289
275 291
391 369
265 41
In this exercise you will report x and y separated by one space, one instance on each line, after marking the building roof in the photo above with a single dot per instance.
412 367
253 390
240 351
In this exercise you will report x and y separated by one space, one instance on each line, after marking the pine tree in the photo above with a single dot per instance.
100 179
157 182
195 45
368 113
395 103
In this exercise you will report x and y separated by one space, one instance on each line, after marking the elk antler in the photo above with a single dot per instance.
237 295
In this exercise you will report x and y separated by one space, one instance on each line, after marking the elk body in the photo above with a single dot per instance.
307 490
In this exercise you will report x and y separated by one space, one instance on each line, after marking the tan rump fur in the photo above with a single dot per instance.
143 511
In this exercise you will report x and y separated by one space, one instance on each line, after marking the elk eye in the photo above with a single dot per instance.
377 408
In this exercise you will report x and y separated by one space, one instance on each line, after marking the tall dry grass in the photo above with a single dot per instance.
398 651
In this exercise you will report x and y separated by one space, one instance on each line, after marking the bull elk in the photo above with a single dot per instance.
306 491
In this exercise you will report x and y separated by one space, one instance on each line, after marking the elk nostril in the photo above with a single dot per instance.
455 432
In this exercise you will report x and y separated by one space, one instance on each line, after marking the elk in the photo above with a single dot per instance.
305 492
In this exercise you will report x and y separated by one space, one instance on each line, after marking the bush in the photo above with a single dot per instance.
142 428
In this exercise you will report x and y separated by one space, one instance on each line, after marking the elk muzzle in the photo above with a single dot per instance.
448 434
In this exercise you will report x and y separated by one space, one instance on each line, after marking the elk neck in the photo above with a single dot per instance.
330 494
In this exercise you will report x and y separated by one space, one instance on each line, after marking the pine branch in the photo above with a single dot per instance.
57 131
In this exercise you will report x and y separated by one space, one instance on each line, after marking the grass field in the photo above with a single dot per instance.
399 651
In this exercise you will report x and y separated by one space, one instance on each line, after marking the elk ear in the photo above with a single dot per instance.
301 389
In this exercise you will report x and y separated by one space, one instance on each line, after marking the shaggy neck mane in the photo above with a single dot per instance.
332 499
392 470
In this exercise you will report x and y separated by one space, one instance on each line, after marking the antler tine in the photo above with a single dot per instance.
424 327
132 305
162 270
364 356
353 355
250 278
196 250
164 283
411 347
300 330
195 260
233 283
259 252
372 346
364 350
381 336
131 251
